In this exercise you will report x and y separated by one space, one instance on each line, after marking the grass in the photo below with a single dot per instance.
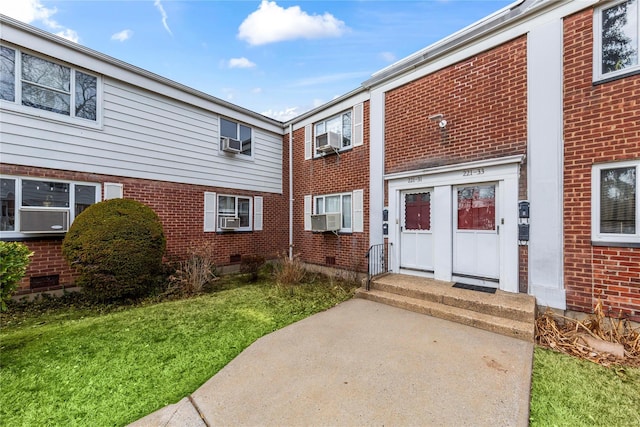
571 392
65 362
78 367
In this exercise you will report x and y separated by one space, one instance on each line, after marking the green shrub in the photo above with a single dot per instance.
251 264
117 247
14 259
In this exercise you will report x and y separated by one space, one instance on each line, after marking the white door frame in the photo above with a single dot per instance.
442 179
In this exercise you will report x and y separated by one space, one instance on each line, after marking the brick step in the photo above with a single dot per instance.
503 312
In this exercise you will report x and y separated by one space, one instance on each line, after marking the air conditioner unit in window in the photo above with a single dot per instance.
231 145
326 222
229 223
328 142
44 221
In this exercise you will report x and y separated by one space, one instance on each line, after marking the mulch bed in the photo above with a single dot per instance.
571 336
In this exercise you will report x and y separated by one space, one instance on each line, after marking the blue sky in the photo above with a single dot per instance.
278 58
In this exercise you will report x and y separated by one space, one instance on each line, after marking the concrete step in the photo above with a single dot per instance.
503 312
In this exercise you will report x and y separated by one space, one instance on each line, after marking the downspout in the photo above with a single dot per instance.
290 191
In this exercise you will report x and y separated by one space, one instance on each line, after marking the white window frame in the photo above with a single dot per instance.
597 237
16 104
222 215
316 200
238 125
597 44
18 203
323 124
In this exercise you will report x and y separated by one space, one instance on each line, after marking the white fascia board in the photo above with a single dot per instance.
330 109
519 158
549 10
33 39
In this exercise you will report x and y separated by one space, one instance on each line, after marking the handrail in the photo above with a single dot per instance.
376 262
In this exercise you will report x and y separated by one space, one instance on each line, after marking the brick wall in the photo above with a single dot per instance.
328 175
483 99
181 210
600 125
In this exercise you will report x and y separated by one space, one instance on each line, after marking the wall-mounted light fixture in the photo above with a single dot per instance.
442 124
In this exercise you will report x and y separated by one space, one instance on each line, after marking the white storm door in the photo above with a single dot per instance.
476 240
416 237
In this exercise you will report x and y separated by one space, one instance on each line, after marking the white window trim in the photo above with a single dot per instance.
218 216
70 209
597 45
17 107
603 238
238 156
323 196
315 134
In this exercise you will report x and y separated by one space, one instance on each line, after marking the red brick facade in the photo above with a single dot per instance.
327 175
600 125
483 99
181 210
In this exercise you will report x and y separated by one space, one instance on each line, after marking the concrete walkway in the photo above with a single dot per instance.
363 363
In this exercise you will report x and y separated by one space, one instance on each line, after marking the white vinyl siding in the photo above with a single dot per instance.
147 136
210 211
257 213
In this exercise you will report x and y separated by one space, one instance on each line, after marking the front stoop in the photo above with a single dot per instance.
504 313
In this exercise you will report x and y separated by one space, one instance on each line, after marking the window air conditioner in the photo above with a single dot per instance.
229 223
326 222
328 142
231 145
44 221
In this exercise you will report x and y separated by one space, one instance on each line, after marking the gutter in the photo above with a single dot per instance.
291 191
5 20
451 42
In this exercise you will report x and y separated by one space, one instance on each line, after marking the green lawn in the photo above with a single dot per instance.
74 368
570 392
87 367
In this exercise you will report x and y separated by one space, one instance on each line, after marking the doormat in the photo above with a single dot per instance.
475 288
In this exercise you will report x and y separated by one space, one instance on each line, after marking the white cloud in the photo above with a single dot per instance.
240 63
387 56
122 35
272 23
31 11
158 6
69 34
284 115
256 90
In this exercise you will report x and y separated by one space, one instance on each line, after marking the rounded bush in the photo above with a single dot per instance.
117 247
14 259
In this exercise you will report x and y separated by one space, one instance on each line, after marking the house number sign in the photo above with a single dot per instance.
414 179
472 172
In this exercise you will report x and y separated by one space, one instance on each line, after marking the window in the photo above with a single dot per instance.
336 203
616 27
39 200
38 83
235 207
340 124
615 211
236 131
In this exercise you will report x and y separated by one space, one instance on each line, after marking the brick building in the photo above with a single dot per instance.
505 155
